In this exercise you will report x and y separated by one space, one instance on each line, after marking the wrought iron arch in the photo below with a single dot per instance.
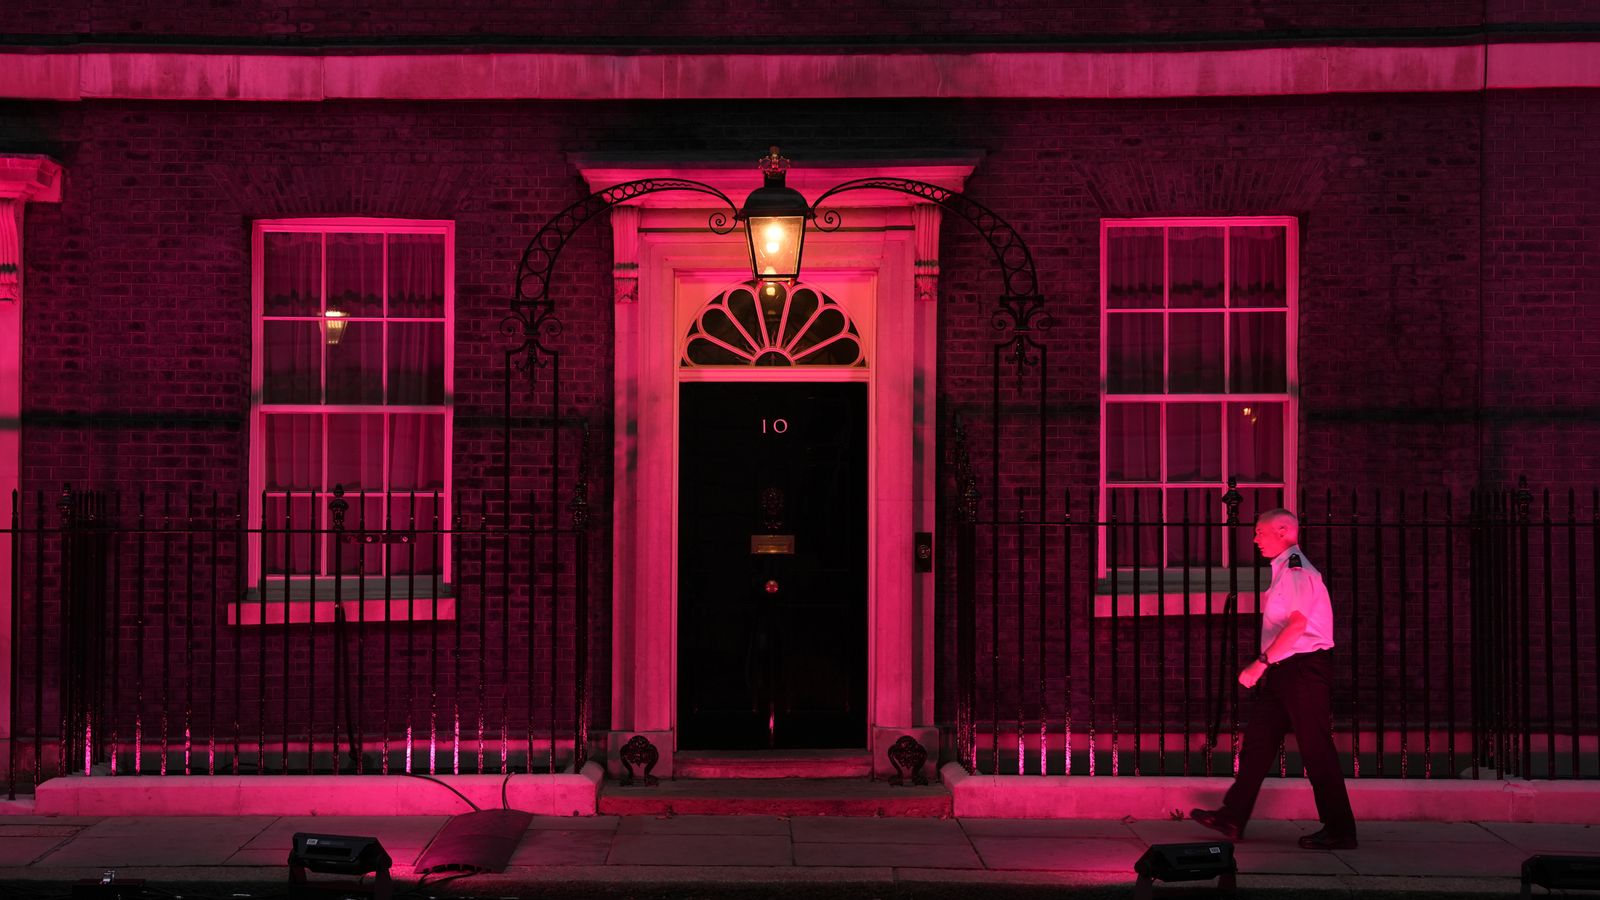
532 315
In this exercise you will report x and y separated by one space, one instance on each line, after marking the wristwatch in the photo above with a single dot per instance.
1262 658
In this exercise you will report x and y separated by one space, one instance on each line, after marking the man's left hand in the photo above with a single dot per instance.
1249 675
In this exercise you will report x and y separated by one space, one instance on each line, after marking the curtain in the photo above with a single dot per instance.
1258 260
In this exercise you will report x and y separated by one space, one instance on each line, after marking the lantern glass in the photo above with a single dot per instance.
775 244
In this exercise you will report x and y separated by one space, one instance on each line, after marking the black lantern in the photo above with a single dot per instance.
775 224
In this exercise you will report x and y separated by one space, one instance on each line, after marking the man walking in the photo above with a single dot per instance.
1295 675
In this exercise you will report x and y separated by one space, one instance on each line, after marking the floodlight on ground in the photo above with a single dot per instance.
1200 861
1560 873
338 854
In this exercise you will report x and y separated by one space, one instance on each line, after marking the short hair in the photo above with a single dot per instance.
1273 515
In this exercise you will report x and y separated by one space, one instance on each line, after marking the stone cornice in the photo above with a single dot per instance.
72 75
27 176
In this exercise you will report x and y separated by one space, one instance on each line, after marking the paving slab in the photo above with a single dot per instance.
1054 828
395 833
39 830
700 850
704 825
1181 831
22 850
576 823
1072 855
823 829
1429 832
78 821
175 841
1434 859
549 847
1260 860
928 856
1541 837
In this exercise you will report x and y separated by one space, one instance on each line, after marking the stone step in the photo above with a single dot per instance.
706 764
775 797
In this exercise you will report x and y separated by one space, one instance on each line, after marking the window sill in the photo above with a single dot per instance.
375 610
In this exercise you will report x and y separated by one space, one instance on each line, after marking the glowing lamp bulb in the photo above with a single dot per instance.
773 233
335 319
773 246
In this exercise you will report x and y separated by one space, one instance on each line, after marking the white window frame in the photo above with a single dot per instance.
402 607
1290 397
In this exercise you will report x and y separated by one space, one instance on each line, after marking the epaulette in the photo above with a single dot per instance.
1294 561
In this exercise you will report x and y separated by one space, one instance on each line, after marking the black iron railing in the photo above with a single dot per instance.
1108 642
350 633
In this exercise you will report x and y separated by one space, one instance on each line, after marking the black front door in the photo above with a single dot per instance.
772 645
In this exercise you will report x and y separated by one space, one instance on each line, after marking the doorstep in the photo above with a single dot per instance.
783 797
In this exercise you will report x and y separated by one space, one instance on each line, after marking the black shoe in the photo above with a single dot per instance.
1322 840
1216 821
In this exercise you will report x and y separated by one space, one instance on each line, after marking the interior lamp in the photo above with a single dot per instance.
334 318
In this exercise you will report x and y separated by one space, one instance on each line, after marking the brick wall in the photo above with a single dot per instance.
138 302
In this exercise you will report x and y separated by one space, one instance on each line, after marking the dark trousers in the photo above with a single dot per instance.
1295 695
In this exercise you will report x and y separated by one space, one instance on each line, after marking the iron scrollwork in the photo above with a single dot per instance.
1021 306
638 751
908 757
532 320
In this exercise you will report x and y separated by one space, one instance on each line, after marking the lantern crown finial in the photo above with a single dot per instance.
774 166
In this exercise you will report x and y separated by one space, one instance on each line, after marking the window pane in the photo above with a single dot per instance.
291 270
416 275
1133 353
1196 354
1194 442
286 524
355 452
1255 441
1133 441
1126 544
293 458
416 363
291 356
355 273
355 365
1256 501
1259 353
1196 267
1258 266
356 555
1199 542
1134 267
416 452
413 512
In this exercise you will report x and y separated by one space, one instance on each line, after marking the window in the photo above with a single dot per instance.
353 339
773 325
1198 382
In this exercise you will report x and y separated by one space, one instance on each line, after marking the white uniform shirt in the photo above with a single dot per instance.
1295 590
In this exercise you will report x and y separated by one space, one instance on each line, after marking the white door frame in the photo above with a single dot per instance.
661 240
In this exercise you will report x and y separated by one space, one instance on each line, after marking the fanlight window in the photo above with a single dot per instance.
773 325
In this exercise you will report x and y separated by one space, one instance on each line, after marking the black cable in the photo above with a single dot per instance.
504 783
475 807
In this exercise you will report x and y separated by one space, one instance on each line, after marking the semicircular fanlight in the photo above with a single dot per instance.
772 325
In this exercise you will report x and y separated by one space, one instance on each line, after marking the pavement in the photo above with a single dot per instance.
240 857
